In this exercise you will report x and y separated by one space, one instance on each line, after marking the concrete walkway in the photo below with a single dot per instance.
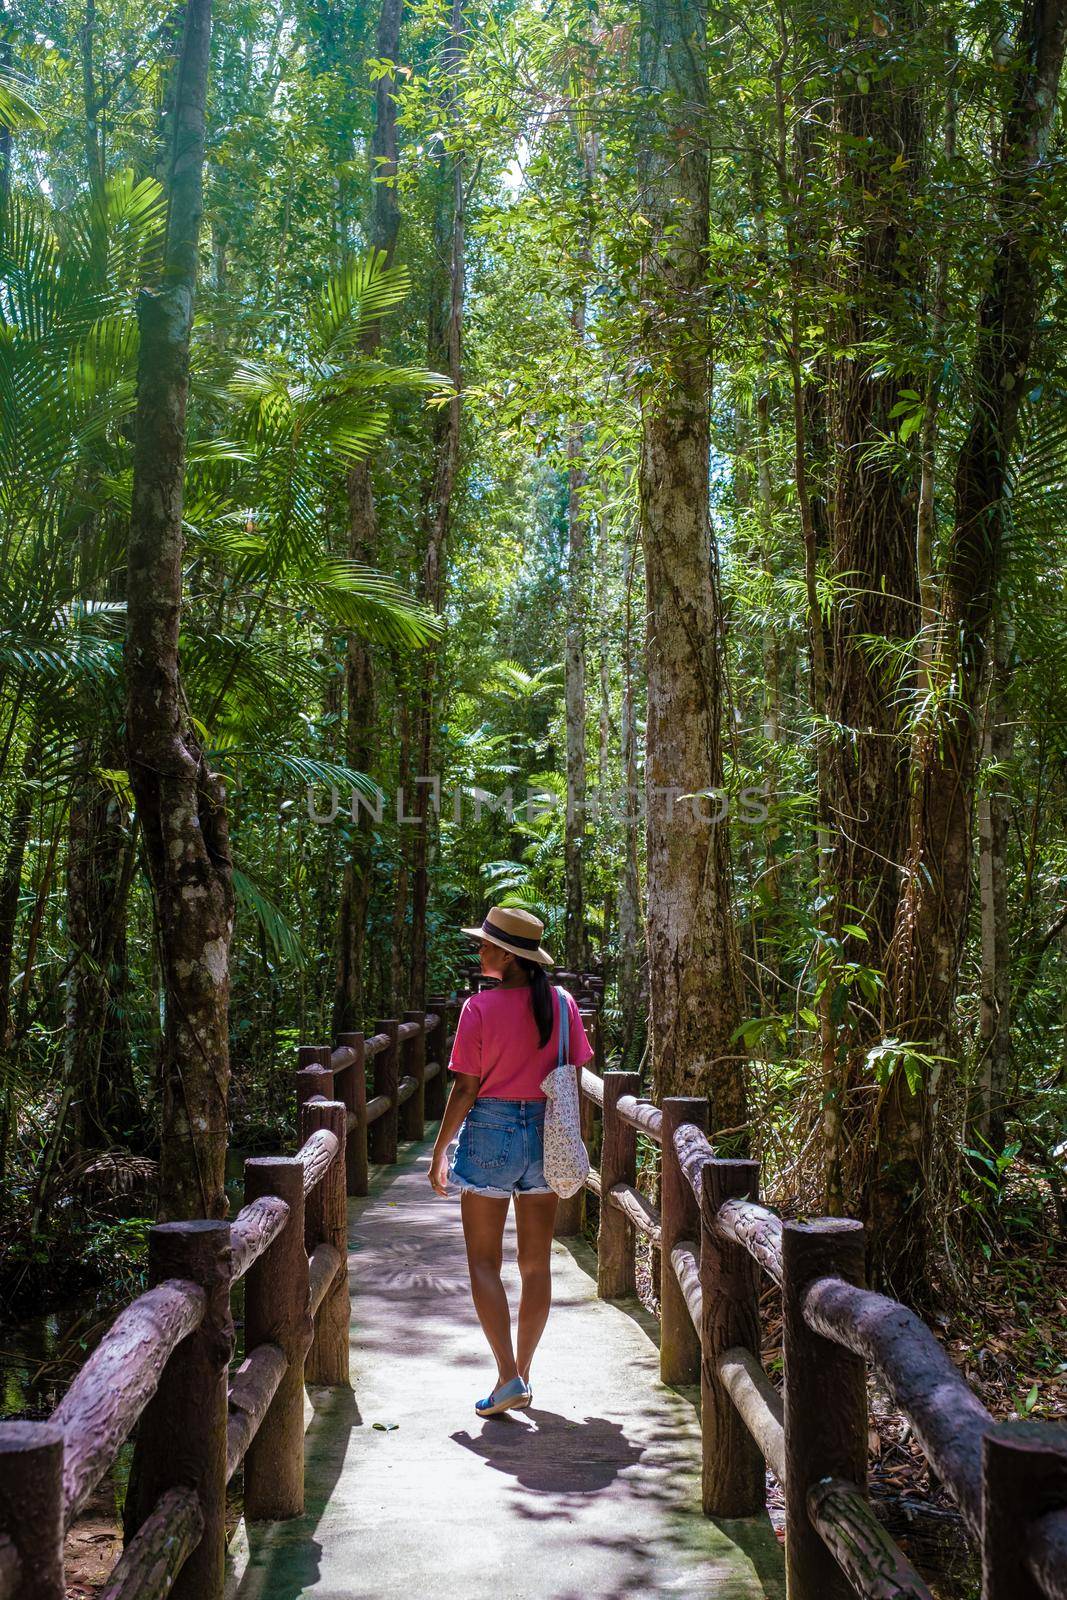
591 1494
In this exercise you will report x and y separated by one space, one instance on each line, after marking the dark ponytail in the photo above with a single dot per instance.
544 1007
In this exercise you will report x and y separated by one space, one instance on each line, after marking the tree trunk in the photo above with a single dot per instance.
180 802
872 560
692 947
994 1076
574 696
445 354
10 885
932 913
101 857
632 964
348 1007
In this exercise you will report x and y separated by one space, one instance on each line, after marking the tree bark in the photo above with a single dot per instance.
632 962
932 912
101 857
445 352
574 695
692 946
180 801
872 556
994 1075
360 696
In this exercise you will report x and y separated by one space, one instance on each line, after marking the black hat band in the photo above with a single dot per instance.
512 938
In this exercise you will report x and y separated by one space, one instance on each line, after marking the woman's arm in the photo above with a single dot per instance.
461 1097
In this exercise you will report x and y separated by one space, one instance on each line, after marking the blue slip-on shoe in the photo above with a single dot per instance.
512 1394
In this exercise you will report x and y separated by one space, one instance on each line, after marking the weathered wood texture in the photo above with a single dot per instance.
353 1091
118 1380
413 1116
685 1259
253 1229
324 1269
383 1131
646 1118
10 1568
317 1153
277 1311
825 1395
592 1085
255 1383
734 1483
861 1547
437 1028
326 1222
679 1344
1024 1474
756 1230
692 1149
181 1440
31 1505
151 1564
949 1421
377 1107
638 1208
616 1278
758 1403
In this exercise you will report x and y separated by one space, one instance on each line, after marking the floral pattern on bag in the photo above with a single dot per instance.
566 1158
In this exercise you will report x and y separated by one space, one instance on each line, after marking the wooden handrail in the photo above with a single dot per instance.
163 1361
111 1391
316 1156
835 1545
254 1228
255 1383
159 1549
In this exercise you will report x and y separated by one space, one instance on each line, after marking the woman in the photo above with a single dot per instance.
507 1039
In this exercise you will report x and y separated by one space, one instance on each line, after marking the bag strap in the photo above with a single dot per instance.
564 1026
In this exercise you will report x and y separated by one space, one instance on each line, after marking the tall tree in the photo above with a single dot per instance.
181 802
933 907
693 960
363 540
445 354
878 128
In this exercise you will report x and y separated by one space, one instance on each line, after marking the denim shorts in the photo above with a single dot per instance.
500 1149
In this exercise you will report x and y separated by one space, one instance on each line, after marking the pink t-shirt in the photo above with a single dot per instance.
497 1040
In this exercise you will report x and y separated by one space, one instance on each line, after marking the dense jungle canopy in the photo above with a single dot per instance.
650 412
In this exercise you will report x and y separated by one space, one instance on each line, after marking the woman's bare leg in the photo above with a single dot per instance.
535 1216
483 1231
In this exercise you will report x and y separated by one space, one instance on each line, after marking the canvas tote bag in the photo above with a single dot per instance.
566 1158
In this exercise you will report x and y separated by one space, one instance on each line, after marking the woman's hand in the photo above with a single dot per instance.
439 1172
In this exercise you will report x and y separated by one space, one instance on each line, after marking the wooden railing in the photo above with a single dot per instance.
715 1239
165 1362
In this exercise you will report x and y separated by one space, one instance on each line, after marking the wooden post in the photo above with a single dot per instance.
1024 1474
383 1131
436 1090
825 1401
679 1344
181 1437
31 1505
326 1222
277 1312
354 1095
413 1111
616 1278
732 1473
314 1075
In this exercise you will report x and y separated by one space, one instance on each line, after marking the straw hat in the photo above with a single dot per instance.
514 930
